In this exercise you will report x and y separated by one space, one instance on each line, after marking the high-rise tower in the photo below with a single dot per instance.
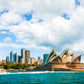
27 55
11 56
23 56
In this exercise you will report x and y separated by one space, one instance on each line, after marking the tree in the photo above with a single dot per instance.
19 66
4 66
8 65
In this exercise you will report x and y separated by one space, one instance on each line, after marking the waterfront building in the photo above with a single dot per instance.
19 59
29 61
40 61
7 59
22 60
11 56
65 61
15 58
39 58
4 61
33 60
65 57
27 55
23 56
45 56
0 61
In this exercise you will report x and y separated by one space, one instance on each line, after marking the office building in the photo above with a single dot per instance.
31 60
40 61
7 59
11 56
0 61
27 55
15 58
23 56
19 59
45 56
4 61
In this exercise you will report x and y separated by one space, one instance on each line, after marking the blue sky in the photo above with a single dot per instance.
41 26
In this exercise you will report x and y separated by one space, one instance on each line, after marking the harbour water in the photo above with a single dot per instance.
42 77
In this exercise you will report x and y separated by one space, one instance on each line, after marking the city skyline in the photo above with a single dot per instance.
24 57
42 56
41 26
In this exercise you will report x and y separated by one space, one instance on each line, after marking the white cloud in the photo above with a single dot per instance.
3 32
10 18
7 39
41 6
81 3
14 45
54 31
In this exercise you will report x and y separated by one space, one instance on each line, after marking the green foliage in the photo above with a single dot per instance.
36 64
18 66
12 66
8 65
4 66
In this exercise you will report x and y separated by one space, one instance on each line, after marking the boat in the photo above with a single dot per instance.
2 71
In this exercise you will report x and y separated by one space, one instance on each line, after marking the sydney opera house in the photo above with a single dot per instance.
65 61
65 57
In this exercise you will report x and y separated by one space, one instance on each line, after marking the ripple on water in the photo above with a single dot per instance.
42 77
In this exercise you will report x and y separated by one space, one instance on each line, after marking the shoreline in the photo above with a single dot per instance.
47 70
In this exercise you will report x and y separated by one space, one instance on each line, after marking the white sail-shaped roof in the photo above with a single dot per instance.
76 59
51 54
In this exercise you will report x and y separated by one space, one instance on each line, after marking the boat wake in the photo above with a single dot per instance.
3 73
36 72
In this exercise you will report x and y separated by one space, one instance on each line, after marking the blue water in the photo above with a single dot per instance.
42 77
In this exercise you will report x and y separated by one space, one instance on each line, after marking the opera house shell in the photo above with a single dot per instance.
65 57
64 62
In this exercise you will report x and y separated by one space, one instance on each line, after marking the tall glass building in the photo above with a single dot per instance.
19 59
23 55
14 57
27 56
7 59
11 56
45 56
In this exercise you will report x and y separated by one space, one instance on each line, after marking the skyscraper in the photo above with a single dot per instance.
33 60
45 56
39 58
19 59
40 61
27 55
11 56
23 56
3 61
15 58
7 59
